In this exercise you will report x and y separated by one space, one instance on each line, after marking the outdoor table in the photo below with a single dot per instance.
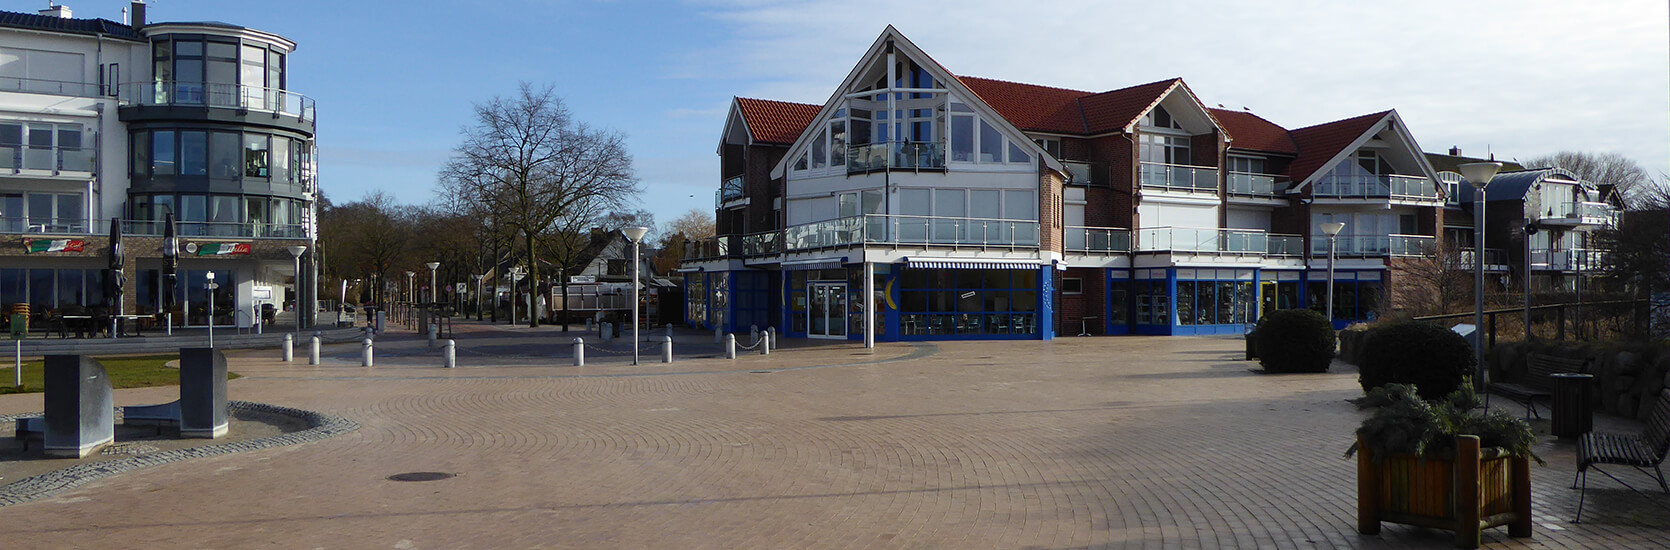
122 319
83 325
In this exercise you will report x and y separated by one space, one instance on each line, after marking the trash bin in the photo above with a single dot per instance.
1573 413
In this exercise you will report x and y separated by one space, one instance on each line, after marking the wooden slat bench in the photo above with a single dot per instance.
1537 383
1638 450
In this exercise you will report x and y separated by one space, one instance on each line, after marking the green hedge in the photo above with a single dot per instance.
1295 340
1432 358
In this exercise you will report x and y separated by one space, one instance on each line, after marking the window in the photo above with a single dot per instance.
819 158
1072 285
1246 165
838 143
800 163
962 138
1164 149
223 155
991 143
1372 163
617 266
162 153
1160 118
1049 145
255 155
194 153
141 145
281 159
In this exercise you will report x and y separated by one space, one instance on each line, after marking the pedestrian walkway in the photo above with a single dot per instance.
1074 443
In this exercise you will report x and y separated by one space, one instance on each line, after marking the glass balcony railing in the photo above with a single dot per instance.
1568 259
1377 186
895 155
1083 173
1177 177
54 87
1492 257
912 230
1373 245
1580 213
46 159
707 248
1218 241
234 96
1255 185
729 190
1097 240
762 244
148 228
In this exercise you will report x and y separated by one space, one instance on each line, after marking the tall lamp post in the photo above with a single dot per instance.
1479 175
434 294
635 234
211 286
477 277
410 298
296 252
1332 229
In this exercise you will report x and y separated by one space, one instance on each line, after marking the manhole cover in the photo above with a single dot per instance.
421 476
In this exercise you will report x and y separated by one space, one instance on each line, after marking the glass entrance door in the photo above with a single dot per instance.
826 311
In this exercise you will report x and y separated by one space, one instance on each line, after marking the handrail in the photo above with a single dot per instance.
53 87
1376 185
1218 240
16 157
1096 239
912 230
1178 177
213 94
1253 184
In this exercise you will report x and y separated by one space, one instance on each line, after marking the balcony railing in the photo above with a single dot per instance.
1218 241
1083 173
1373 245
54 87
895 155
147 228
1492 257
234 96
1581 213
707 248
912 230
729 190
767 243
1568 259
1178 177
47 159
1255 185
1377 186
1097 240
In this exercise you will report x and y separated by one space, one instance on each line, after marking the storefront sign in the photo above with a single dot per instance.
217 249
32 246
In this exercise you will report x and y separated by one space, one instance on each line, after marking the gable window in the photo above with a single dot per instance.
962 136
991 143
800 163
1373 163
1164 149
1160 118
819 158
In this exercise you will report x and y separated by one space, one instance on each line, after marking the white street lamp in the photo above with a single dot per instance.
1479 175
211 286
1332 229
297 252
477 278
409 296
635 234
434 295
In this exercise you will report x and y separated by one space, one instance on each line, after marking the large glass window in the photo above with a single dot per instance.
162 153
194 153
255 155
991 143
965 302
962 138
281 159
223 155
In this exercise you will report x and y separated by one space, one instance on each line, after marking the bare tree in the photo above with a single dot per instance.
569 241
1438 281
528 164
1607 169
694 224
368 238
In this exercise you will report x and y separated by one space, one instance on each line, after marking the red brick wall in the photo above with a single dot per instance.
1049 210
1076 307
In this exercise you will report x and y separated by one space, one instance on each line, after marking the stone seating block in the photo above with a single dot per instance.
80 416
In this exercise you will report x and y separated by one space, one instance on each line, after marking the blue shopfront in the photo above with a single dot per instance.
1202 301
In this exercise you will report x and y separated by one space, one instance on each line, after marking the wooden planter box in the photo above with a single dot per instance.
1467 494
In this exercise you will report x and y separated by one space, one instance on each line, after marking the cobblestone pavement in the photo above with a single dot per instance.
1081 442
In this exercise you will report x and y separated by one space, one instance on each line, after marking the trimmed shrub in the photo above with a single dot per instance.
1295 340
1432 358
1351 343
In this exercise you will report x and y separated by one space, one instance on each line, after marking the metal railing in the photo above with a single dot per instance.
1373 245
54 87
765 243
211 94
1083 173
729 190
1377 186
1492 257
1178 177
1581 212
1096 239
1218 241
912 230
1247 184
707 248
895 155
147 228
1568 259
50 159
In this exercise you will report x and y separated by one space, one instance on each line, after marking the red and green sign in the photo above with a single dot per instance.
32 246
222 249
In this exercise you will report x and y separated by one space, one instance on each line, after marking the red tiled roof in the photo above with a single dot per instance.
1253 133
1030 106
1114 110
777 122
1317 144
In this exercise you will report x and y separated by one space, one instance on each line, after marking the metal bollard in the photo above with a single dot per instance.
579 352
608 335
770 337
313 354
666 349
730 346
765 347
365 353
450 354
289 348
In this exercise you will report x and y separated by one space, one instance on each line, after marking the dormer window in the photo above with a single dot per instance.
1160 118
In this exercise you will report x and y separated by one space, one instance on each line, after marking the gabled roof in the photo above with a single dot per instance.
89 27
1114 110
1254 133
776 122
1030 106
1319 144
1512 186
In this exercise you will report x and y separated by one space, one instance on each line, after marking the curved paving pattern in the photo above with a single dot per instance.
1105 442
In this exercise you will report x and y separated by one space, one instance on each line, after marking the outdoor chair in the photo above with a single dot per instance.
1638 450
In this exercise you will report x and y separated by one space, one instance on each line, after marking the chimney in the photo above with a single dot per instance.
55 10
138 12
1455 151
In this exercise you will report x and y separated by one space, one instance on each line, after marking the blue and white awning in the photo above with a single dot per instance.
969 264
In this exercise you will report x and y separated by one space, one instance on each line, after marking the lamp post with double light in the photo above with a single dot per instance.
1479 175
1332 229
635 234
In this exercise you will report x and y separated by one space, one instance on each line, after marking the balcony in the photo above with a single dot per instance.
1374 245
1178 177
1250 242
231 96
896 155
52 87
1568 259
1083 173
707 248
1495 259
148 228
16 159
1263 186
1097 240
926 231
729 190
766 243
1370 186
1575 213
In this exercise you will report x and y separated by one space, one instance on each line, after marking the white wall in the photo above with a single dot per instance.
1177 215
1249 218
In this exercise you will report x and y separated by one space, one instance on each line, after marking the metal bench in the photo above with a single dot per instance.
1638 450
1537 383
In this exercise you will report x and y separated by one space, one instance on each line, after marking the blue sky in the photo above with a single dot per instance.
395 81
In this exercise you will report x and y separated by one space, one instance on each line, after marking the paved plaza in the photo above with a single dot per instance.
1076 443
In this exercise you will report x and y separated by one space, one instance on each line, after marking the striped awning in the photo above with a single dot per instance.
954 264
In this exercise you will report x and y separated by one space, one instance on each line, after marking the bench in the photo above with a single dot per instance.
1537 383
1638 450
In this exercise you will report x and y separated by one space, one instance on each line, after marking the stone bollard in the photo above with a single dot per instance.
450 354
289 348
313 353
579 352
431 331
365 353
730 346
608 335
666 349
